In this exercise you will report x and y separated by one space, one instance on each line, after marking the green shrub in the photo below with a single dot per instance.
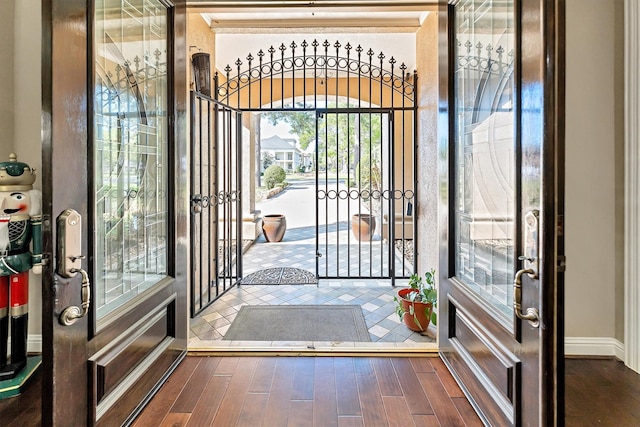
274 175
368 175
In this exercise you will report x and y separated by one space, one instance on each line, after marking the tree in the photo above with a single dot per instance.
342 138
267 160
303 124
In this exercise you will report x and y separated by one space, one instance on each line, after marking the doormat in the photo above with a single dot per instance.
299 323
280 276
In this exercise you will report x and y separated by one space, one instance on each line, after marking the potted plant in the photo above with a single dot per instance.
415 304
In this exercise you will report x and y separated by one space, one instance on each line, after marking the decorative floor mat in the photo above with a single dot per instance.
280 276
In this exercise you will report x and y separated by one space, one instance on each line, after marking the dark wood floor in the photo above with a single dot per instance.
23 410
598 393
601 393
309 391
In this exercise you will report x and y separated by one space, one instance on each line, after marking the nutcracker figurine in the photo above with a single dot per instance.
20 228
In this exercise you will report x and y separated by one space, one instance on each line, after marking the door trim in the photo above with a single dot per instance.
632 189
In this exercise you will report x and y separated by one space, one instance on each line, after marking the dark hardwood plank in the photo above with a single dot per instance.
605 389
197 382
279 403
411 388
427 421
423 364
210 401
346 387
599 392
228 365
23 410
467 413
300 415
387 378
303 379
159 407
325 406
263 376
233 399
373 412
397 411
253 409
449 383
443 407
175 420
349 421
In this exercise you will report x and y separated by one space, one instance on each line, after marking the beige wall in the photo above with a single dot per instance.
427 65
20 107
201 39
594 174
27 108
6 78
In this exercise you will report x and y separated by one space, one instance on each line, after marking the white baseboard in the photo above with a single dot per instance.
593 346
34 343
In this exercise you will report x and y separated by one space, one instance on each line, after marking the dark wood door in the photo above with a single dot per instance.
114 285
501 271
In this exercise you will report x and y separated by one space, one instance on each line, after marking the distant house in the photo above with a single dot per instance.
283 151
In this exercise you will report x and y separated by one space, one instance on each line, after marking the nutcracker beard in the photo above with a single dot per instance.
14 296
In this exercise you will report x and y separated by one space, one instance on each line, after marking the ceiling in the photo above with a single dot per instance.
390 30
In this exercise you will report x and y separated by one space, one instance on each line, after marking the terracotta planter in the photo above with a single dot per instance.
363 226
422 312
274 227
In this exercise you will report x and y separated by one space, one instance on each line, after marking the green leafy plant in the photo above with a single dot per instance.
274 175
423 291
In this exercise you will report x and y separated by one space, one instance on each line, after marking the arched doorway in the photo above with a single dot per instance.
363 107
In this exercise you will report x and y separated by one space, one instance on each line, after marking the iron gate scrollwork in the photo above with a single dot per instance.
216 202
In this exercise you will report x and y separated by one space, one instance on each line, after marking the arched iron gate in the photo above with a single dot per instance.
374 172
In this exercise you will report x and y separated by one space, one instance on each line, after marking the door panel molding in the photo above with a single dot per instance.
113 363
491 365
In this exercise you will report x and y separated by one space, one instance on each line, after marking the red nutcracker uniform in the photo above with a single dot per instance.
20 251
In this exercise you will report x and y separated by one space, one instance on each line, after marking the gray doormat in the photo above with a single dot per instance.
280 276
299 323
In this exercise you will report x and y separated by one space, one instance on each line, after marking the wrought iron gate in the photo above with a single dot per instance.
216 205
364 204
372 171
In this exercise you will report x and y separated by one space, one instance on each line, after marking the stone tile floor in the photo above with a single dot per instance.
375 298
297 249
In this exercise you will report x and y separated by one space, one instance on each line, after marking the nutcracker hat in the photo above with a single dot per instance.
15 175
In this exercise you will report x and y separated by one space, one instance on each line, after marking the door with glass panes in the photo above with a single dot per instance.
114 299
501 268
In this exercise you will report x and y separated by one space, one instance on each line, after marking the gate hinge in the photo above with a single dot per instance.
562 263
318 255
560 225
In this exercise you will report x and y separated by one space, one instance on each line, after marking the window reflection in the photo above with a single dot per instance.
485 149
130 149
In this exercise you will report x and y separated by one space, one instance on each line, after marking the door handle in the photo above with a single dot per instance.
69 262
532 314
72 313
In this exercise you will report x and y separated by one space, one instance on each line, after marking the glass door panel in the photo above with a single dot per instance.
485 143
130 150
